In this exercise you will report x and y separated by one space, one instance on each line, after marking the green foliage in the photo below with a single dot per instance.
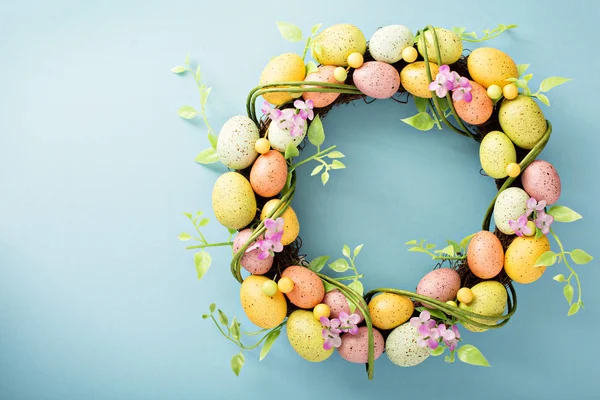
289 32
453 251
580 257
341 265
311 67
563 214
487 33
178 69
547 259
291 151
237 362
547 84
471 355
421 121
316 133
202 260
207 156
271 338
318 263
187 112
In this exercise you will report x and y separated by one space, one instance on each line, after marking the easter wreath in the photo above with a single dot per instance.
488 97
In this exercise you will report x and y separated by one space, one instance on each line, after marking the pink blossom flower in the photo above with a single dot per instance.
442 84
426 327
449 336
331 332
535 206
271 244
520 226
544 221
349 323
305 109
274 226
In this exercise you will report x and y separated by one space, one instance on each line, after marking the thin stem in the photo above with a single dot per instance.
317 155
349 278
564 257
202 246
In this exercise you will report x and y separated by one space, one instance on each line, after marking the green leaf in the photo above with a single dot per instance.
438 351
271 338
466 240
458 31
521 68
178 69
357 286
315 28
547 259
538 233
317 169
471 355
205 316
552 82
316 134
234 328
232 231
573 309
213 140
311 67
187 59
237 362
335 154
223 318
202 260
337 164
411 243
456 246
528 77
543 98
339 265
417 249
580 257
422 121
318 263
212 308
328 286
357 250
325 177
204 93
198 75
184 236
563 214
346 251
430 246
318 49
203 222
559 278
291 151
449 250
289 32
568 292
421 103
187 112
207 156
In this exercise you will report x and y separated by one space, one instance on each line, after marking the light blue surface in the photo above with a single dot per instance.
98 300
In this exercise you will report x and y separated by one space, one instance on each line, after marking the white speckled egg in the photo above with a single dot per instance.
441 284
377 79
250 260
355 348
235 144
281 138
402 349
387 43
338 303
541 181
510 204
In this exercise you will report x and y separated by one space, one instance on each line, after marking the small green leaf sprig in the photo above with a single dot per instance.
578 256
522 82
452 252
487 33
202 259
208 155
293 33
426 117
232 332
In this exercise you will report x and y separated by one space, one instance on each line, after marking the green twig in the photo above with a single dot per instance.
201 246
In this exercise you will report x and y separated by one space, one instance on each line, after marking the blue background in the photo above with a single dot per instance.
99 300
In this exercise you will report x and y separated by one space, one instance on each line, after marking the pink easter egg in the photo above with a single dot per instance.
250 260
377 79
355 348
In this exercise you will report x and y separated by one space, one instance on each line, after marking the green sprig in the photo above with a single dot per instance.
487 33
453 251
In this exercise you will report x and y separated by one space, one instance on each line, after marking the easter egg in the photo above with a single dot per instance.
389 310
235 143
485 255
414 78
323 74
377 79
387 43
288 67
402 347
280 138
449 42
541 181
523 121
495 153
479 109
355 348
233 201
250 261
489 299
488 66
308 288
521 256
338 303
336 43
264 311
510 204
291 226
304 335
269 174
441 284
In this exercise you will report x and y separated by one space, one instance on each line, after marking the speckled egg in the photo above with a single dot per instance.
291 226
233 201
414 78
355 348
479 109
250 261
377 79
510 204
269 174
495 153
488 66
441 284
389 310
264 311
387 43
304 335
338 303
485 255
288 67
523 121
489 299
402 349
541 181
281 138
308 288
235 143
323 74
450 46
336 43
521 256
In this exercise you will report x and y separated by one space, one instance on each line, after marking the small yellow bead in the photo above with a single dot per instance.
262 145
465 295
286 285
513 170
452 303
355 60
321 310
531 225
494 92
269 288
510 91
340 74
409 54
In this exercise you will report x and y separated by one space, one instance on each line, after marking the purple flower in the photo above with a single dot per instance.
298 124
426 327
544 221
271 243
349 323
449 336
331 333
535 206
305 109
462 93
442 84
273 113
274 226
520 226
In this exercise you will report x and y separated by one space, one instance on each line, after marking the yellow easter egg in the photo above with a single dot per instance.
390 310
304 335
264 311
336 43
488 66
521 256
288 67
233 201
414 79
